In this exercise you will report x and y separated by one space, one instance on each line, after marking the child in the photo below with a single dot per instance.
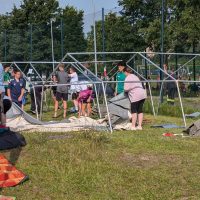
74 88
85 98
16 88
6 77
62 90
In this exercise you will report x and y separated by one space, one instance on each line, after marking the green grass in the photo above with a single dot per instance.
123 165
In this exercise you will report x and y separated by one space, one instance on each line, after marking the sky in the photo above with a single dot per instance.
85 5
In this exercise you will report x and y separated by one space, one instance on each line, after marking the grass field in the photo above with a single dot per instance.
124 165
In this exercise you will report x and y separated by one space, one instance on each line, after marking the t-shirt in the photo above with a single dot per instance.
2 89
85 94
135 90
16 88
62 79
82 87
120 85
74 79
6 78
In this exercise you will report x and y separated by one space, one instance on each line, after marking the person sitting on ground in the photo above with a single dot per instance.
62 90
74 88
137 96
85 99
120 77
6 77
16 88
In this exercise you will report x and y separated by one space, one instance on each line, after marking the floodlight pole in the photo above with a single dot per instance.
61 34
52 45
31 42
103 33
162 45
95 41
5 46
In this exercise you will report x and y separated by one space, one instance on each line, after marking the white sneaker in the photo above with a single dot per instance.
139 128
133 129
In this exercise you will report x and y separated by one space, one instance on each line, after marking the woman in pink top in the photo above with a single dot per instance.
137 96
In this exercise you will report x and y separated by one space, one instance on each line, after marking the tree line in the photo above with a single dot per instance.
25 33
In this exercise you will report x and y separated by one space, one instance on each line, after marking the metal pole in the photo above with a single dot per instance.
145 63
194 63
41 103
95 42
181 103
162 44
5 46
62 47
52 45
31 42
108 112
36 107
177 65
103 33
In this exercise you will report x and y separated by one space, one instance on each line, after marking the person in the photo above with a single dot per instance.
5 103
62 90
36 97
16 88
25 92
137 95
120 77
85 100
74 88
6 77
171 87
54 88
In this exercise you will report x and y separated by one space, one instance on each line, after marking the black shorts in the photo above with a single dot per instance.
85 101
6 105
75 95
61 96
137 107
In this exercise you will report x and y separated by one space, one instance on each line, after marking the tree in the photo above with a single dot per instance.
181 22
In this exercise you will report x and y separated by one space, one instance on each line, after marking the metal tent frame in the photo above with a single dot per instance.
79 65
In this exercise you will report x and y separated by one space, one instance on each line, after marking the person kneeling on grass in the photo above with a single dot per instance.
85 99
137 96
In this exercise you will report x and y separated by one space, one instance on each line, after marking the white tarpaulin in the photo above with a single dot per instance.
19 120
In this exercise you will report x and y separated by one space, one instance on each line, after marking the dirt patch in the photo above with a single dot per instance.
148 160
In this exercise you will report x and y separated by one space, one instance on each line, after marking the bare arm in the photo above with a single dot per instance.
21 95
9 94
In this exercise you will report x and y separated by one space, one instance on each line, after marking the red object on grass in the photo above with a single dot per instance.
168 135
9 175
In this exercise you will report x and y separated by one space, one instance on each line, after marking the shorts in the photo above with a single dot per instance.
85 101
61 96
24 100
75 95
7 105
137 107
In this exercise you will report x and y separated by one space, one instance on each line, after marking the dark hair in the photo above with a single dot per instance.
121 63
15 70
73 69
6 66
128 70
